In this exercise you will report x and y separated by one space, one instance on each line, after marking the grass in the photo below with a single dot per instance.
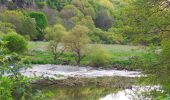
121 54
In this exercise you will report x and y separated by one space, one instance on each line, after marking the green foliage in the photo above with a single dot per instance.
141 24
14 85
6 27
5 88
76 41
15 42
99 57
22 24
41 23
95 39
85 7
113 38
98 33
40 4
58 4
147 22
56 35
71 16
88 22
40 18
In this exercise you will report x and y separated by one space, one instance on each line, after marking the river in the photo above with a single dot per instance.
88 83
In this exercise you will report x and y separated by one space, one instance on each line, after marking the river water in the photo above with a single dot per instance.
92 92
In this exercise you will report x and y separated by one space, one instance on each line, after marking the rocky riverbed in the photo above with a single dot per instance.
64 71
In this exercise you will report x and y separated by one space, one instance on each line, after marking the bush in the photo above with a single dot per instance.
98 57
15 42
113 38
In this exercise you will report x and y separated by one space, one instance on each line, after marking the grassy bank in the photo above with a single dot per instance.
122 56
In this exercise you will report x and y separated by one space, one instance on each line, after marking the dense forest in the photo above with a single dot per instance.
121 34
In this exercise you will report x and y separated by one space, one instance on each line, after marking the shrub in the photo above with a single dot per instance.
15 42
113 38
99 56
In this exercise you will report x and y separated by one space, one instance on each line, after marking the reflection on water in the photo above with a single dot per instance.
80 93
86 83
89 89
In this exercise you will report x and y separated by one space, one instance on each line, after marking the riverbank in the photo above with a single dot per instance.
121 58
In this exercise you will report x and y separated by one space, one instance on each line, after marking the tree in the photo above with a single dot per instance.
6 27
41 22
143 22
104 20
150 18
58 4
98 34
88 22
76 41
13 82
85 7
113 38
56 34
23 24
52 16
40 4
15 4
71 16
40 19
13 85
15 42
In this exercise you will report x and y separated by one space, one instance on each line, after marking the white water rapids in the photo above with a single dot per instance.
52 71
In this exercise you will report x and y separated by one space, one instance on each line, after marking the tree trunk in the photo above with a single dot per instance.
78 58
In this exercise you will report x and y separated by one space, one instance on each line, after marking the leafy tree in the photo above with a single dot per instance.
71 16
104 20
76 41
15 42
106 3
23 25
52 16
113 38
6 27
58 4
41 22
40 19
150 18
56 34
136 19
13 85
40 4
85 7
98 34
88 22
15 4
